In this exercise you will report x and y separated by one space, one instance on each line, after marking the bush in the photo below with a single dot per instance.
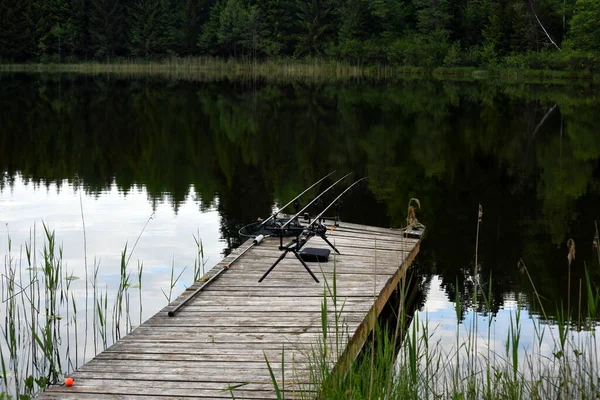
49 59
570 60
453 57
419 50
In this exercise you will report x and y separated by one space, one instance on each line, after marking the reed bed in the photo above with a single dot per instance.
284 70
209 68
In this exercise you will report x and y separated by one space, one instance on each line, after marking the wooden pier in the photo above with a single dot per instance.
216 345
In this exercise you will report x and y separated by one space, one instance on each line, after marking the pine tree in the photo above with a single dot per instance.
432 15
233 23
195 15
355 21
106 28
474 18
278 25
498 30
208 40
151 27
17 41
390 17
313 25
234 29
524 28
53 29
80 22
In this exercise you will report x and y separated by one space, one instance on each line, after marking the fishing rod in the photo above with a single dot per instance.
294 199
318 217
313 200
308 232
255 242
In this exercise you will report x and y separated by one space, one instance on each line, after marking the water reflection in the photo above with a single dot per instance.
484 337
528 153
163 240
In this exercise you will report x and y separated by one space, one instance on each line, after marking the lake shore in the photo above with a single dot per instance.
209 68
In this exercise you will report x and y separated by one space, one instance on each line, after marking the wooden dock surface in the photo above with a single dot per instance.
220 339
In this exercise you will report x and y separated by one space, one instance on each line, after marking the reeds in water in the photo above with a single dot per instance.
488 360
44 335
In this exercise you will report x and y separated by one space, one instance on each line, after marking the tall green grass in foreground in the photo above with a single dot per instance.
560 365
44 332
412 361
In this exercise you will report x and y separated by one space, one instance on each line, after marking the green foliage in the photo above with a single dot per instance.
151 23
313 26
474 18
17 41
80 24
233 29
453 57
192 20
432 15
389 18
410 32
585 33
420 49
355 24
278 26
53 29
107 33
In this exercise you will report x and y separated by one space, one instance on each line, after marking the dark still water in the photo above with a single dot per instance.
205 158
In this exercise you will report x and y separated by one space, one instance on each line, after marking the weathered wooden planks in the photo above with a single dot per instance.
220 338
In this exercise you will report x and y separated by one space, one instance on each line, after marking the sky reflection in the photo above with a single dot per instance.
537 340
112 220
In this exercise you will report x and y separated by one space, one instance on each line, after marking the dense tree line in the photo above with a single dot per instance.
404 32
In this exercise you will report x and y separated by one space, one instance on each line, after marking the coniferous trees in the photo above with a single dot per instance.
194 15
313 24
152 28
277 18
80 22
426 33
53 27
17 40
107 28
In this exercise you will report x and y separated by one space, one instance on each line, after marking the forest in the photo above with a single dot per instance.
535 34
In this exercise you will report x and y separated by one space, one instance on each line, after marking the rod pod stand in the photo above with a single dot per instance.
297 244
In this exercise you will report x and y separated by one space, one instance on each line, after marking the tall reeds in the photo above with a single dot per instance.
488 360
44 333
207 68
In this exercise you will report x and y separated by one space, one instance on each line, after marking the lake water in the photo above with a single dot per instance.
154 163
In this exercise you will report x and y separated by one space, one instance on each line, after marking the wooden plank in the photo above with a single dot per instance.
158 346
220 359
223 378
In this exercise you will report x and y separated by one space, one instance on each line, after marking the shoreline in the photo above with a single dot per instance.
205 68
